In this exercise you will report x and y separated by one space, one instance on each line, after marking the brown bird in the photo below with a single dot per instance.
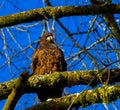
48 58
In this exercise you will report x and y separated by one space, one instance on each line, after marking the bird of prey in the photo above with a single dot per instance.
48 58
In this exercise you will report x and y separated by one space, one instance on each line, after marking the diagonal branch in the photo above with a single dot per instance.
16 91
103 94
109 18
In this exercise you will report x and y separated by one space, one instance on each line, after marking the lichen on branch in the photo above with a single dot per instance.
62 79
56 12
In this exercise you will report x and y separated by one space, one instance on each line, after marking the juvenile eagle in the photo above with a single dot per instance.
46 59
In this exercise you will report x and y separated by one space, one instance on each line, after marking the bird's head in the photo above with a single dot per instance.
47 38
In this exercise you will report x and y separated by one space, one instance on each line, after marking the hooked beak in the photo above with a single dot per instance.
50 39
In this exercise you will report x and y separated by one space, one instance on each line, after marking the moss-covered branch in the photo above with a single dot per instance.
56 12
104 94
56 80
17 91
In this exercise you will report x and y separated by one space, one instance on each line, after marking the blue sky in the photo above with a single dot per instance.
17 43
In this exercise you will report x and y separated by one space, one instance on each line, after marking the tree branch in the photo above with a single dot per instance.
109 18
103 94
16 92
57 12
57 80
